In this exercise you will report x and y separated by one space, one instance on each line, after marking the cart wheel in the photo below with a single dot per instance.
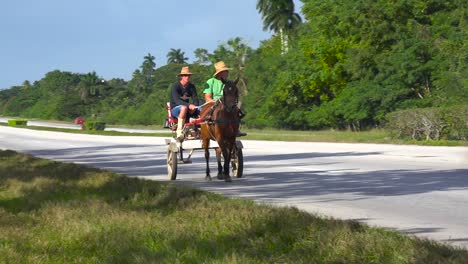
171 164
237 163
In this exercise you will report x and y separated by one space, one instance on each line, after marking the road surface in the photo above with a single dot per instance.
417 190
78 126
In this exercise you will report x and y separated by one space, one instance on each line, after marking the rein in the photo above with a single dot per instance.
224 121
229 122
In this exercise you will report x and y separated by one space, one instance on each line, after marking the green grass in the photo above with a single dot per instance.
378 136
53 212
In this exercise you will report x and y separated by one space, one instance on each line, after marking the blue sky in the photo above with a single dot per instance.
111 37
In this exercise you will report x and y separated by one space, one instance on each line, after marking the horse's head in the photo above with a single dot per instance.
230 95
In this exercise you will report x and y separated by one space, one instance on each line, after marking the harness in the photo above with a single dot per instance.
228 122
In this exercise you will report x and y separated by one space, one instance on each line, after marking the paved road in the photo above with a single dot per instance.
75 126
417 190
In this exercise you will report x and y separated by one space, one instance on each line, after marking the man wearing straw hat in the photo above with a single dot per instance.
214 88
181 92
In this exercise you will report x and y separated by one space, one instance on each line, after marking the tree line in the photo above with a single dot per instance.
62 95
346 66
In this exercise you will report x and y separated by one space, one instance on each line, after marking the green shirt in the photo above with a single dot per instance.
214 87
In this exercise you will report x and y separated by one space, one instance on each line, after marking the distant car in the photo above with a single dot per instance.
79 120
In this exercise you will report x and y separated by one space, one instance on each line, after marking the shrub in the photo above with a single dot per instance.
429 123
17 122
457 122
94 125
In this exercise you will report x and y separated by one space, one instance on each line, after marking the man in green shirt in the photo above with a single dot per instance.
214 87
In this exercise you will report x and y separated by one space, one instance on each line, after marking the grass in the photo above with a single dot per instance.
53 212
377 136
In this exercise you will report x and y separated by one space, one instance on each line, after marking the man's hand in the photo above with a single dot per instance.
192 107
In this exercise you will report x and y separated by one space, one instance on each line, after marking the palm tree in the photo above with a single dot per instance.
88 85
176 56
279 17
148 66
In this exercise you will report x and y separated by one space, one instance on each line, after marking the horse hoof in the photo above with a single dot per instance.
227 179
220 176
207 178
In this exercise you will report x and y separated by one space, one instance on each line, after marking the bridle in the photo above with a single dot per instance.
230 105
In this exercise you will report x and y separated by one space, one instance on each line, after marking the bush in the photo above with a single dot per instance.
94 125
457 122
429 123
17 122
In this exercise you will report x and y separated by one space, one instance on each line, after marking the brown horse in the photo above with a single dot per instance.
222 127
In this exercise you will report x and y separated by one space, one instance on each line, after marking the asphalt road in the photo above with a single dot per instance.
417 190
78 126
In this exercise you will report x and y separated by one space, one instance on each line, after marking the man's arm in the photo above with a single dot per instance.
208 91
195 100
208 97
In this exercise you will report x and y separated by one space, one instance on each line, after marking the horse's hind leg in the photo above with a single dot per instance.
207 159
227 160
220 167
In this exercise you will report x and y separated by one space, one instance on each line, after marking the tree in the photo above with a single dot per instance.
240 53
148 66
26 85
88 86
176 56
143 80
279 17
201 55
235 54
138 83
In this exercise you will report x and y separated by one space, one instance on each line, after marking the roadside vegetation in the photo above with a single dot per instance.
331 65
53 212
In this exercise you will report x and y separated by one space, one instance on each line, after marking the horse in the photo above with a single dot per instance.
222 127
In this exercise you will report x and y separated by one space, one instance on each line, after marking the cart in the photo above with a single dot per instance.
176 150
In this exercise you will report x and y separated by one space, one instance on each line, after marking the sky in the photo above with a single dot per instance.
111 37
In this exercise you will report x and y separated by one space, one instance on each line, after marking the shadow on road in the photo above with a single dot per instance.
150 161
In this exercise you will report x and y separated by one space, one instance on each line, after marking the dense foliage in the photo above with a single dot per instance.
348 65
355 61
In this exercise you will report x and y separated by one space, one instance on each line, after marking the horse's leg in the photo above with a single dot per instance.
206 145
207 158
220 167
227 159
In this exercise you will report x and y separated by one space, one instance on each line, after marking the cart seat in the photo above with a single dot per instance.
171 122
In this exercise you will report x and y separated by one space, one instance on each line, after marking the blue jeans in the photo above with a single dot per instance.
176 111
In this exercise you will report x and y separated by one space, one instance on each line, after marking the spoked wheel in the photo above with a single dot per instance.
171 164
237 162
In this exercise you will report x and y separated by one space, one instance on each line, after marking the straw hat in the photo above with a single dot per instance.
185 71
220 67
